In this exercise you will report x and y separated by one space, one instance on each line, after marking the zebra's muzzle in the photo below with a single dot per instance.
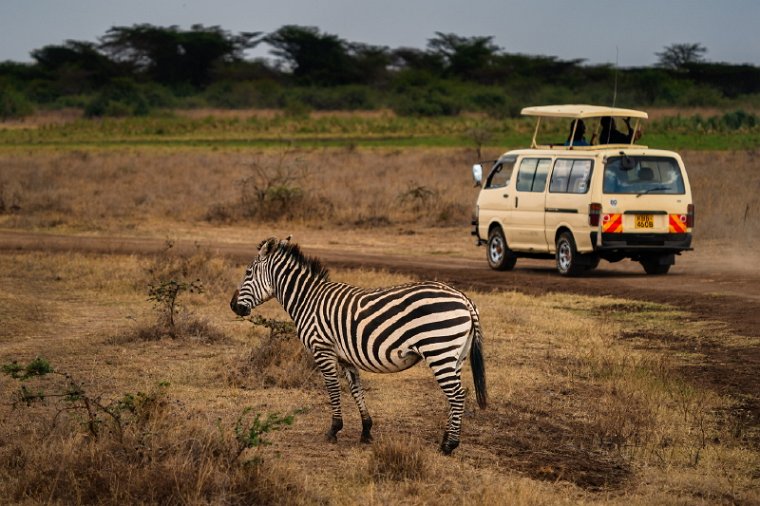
239 309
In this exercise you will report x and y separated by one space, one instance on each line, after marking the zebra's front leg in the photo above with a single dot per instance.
352 374
328 366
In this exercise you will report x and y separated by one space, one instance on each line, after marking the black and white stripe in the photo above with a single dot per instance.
383 330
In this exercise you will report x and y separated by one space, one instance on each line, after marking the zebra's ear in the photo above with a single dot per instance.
286 241
267 247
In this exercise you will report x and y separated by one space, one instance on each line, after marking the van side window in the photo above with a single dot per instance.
501 173
571 176
532 174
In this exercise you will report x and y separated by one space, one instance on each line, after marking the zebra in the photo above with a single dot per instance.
383 330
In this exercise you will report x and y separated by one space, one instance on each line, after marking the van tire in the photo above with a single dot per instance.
592 262
567 256
498 254
654 266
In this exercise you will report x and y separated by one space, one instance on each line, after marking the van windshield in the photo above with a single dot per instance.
643 174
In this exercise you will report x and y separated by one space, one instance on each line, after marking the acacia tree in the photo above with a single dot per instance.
679 56
75 66
317 58
411 58
169 55
464 57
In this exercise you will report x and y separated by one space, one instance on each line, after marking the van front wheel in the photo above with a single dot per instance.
567 256
500 257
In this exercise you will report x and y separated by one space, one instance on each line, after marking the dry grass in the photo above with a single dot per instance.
726 190
582 409
397 459
134 189
163 192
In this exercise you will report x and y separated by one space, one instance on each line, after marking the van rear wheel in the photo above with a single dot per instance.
500 257
654 265
567 256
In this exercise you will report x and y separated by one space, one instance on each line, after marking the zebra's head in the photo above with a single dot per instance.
257 286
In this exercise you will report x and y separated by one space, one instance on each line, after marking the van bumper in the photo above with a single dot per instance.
642 242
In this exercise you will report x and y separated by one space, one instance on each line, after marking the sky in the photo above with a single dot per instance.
626 32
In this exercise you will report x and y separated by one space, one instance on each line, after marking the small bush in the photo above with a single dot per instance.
738 120
276 191
417 197
335 98
13 104
188 265
173 276
121 98
164 295
433 101
280 360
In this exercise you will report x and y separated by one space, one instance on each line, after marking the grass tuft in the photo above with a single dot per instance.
400 458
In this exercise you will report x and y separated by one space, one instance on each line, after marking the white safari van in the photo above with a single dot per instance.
581 201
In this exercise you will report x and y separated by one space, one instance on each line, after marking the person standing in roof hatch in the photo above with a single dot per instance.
611 135
578 139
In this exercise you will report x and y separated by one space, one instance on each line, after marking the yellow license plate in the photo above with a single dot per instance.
644 220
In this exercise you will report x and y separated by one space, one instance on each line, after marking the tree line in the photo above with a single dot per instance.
134 69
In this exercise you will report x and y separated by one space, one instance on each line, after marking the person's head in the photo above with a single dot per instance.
607 123
580 130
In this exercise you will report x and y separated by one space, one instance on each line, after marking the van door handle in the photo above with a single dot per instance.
516 201
506 195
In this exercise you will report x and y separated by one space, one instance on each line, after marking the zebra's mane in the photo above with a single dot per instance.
313 265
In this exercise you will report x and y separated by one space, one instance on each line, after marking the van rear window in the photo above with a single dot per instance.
643 174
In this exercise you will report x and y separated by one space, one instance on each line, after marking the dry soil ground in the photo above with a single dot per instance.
709 284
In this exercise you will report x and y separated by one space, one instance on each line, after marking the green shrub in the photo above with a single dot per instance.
432 101
13 104
122 97
232 95
354 97
738 120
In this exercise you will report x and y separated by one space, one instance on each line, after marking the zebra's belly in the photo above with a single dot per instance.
403 360
395 361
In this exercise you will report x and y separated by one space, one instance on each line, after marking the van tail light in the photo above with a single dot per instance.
594 212
690 216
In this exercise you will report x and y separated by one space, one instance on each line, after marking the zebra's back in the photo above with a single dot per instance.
391 329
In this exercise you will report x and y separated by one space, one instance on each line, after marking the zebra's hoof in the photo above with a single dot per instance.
366 438
331 438
448 446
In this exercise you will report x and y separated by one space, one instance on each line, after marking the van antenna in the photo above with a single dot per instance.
614 91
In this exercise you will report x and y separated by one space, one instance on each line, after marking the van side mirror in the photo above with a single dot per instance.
477 174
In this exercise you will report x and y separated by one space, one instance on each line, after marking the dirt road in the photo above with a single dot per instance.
707 286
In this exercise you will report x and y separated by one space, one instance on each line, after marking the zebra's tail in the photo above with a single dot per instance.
477 362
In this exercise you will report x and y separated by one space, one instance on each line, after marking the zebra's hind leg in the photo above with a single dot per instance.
328 367
448 376
358 392
455 395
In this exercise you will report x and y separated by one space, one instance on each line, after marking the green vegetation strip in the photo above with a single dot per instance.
356 131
